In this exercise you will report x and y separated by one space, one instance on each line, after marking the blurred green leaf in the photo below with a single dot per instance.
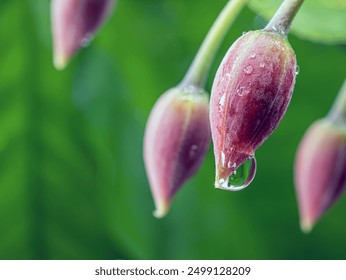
48 170
317 20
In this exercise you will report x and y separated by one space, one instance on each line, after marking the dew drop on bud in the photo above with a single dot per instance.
241 177
223 157
193 152
253 55
222 102
85 42
297 69
241 91
248 70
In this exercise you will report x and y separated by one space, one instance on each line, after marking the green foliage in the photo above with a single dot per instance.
317 20
72 180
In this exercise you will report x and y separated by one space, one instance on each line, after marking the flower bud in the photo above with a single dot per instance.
320 170
177 137
74 23
250 94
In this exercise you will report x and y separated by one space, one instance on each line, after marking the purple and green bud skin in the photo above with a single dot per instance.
320 170
74 23
177 137
250 95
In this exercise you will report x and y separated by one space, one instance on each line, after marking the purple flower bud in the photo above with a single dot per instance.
74 23
320 170
176 140
251 92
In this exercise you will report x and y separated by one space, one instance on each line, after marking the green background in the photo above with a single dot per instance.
72 179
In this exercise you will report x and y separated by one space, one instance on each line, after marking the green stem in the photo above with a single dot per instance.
282 20
199 69
337 113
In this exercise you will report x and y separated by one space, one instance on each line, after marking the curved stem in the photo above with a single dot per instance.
199 69
282 20
337 113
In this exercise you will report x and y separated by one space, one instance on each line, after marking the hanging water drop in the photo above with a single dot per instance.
240 178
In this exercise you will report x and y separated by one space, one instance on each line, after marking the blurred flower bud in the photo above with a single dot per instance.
320 170
74 23
251 92
320 166
177 137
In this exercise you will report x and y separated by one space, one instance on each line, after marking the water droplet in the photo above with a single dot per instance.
240 178
230 165
85 41
244 32
241 91
193 151
248 70
222 102
262 64
253 55
228 75
297 69
223 158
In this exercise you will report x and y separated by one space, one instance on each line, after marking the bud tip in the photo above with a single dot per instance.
162 208
306 225
60 61
220 183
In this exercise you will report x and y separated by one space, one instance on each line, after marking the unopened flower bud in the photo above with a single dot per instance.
176 140
251 92
320 170
74 23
